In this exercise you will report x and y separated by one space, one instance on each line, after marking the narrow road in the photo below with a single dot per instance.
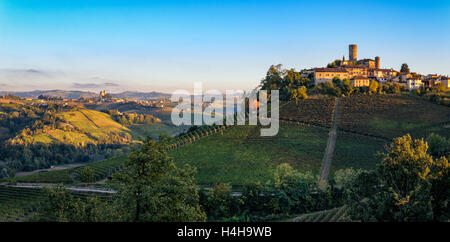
326 162
55 168
75 189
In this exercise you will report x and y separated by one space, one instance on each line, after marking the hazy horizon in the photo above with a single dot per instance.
167 45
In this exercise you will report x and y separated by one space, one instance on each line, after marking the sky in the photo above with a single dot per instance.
166 45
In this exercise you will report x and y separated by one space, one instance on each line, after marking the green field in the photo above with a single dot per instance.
242 156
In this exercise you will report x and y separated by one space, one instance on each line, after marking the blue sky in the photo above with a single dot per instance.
166 45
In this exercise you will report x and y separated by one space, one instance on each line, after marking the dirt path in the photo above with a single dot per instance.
71 188
326 162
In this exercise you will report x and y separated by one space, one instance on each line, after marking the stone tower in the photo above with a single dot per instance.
377 62
352 52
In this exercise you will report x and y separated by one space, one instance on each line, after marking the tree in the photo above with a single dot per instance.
373 87
87 174
405 69
347 88
292 189
336 81
408 185
439 146
61 206
221 204
152 188
299 93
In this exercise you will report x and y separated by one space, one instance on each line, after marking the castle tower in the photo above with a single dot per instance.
352 52
377 62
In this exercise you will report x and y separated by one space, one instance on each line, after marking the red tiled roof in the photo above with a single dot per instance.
330 70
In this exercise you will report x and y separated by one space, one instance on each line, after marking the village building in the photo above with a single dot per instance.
360 81
322 75
446 82
413 84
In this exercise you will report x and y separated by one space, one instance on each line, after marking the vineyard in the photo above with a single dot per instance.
332 215
355 151
102 169
17 204
391 116
309 111
241 156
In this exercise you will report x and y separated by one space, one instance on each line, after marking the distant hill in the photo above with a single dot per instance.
141 95
79 94
53 93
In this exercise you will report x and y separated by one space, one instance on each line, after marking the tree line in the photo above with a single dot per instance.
131 118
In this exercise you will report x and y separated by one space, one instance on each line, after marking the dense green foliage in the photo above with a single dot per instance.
149 188
289 192
408 185
289 82
404 68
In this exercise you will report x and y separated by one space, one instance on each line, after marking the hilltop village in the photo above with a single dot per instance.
361 71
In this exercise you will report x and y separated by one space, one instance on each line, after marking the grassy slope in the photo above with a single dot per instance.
91 126
241 156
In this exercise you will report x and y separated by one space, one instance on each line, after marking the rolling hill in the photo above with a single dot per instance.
240 156
78 94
